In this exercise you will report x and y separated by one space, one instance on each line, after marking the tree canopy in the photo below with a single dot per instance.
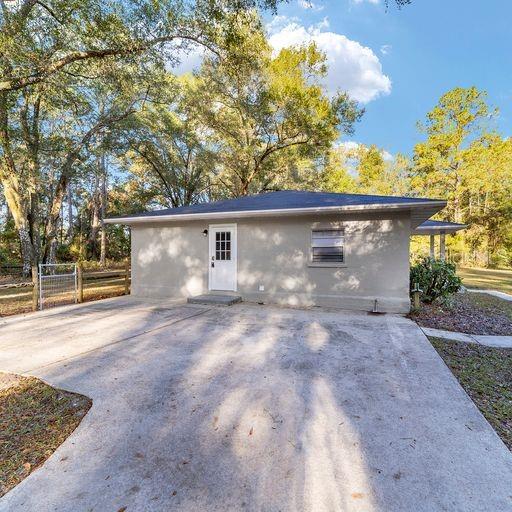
94 121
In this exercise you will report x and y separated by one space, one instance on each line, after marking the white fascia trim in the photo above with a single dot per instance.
430 230
279 211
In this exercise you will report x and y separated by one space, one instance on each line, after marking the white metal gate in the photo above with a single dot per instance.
57 284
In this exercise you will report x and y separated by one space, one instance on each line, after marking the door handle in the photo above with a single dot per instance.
213 264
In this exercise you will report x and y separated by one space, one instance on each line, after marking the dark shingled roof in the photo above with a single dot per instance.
285 199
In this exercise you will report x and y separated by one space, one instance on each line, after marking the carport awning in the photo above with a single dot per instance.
438 227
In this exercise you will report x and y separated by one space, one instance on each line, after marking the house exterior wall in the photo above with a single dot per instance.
171 261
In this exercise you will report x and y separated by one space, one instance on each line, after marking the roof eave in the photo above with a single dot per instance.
437 230
423 210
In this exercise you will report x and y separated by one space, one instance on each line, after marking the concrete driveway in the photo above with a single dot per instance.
253 408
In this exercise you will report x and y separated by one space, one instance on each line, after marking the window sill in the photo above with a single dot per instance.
327 265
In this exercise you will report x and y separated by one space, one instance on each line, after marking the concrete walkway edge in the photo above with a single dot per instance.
487 340
496 293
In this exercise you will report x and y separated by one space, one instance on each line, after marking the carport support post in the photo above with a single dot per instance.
442 249
80 283
35 289
432 247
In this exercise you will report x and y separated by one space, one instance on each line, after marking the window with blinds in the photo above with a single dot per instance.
327 245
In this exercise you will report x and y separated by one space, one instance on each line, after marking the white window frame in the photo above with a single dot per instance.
326 227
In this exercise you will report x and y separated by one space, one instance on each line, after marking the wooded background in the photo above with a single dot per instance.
94 122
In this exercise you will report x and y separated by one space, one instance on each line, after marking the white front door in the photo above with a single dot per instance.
222 260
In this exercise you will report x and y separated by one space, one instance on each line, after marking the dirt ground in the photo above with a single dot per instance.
14 301
471 313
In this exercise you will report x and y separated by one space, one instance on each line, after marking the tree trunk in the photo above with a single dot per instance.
52 222
66 172
14 194
95 227
103 246
34 226
70 212
27 252
21 188
457 217
29 121
95 215
19 211
103 209
52 251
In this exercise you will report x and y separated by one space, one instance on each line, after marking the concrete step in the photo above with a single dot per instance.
213 299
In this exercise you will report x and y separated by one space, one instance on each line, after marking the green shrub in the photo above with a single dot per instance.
436 278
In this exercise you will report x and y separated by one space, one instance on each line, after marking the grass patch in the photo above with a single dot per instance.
471 313
35 419
486 279
485 373
14 301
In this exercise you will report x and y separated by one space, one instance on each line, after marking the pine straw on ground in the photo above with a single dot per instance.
485 373
471 313
35 419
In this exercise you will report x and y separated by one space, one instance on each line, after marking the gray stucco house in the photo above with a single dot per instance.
289 247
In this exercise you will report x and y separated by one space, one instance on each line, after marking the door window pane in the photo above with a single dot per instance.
223 245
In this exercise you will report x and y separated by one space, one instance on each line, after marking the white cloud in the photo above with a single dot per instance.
352 67
308 4
190 60
387 156
348 145
385 49
278 22
320 25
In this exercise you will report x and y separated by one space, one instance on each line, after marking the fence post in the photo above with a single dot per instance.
35 289
80 279
127 277
416 292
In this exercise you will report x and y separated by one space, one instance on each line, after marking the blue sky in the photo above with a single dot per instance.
399 62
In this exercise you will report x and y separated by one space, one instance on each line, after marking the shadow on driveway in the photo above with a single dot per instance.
254 408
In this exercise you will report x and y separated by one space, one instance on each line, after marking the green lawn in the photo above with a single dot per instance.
486 279
35 419
485 373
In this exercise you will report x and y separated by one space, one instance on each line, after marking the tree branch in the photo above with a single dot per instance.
155 167
49 10
17 83
66 171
